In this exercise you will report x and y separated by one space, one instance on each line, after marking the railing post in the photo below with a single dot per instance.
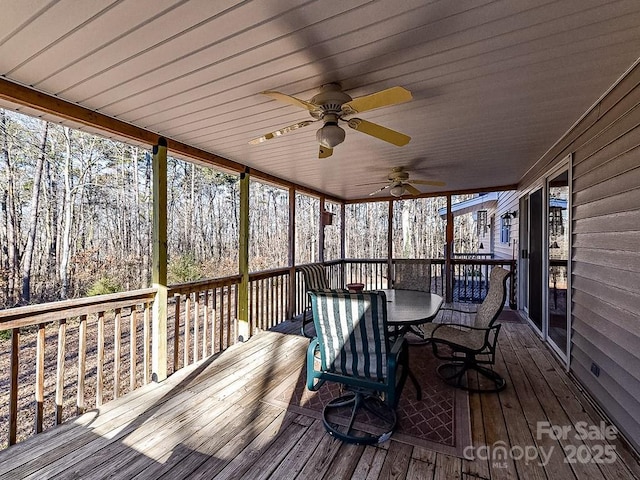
159 271
448 289
512 281
343 236
292 254
243 288
321 231
390 246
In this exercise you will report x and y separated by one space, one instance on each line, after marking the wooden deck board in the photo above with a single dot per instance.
208 421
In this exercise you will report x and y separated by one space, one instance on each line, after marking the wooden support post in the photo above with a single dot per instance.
390 247
343 236
448 266
292 253
159 267
321 231
243 260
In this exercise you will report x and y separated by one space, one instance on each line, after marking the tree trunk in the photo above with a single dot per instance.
33 219
12 227
67 218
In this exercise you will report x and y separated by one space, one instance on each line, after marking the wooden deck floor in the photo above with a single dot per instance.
207 421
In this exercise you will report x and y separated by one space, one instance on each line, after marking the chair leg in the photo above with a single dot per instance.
341 414
455 374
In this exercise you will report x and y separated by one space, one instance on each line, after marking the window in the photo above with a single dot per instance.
505 229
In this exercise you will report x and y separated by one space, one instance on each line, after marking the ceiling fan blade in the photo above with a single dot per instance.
380 189
378 131
433 183
370 183
282 131
296 102
411 189
325 152
383 98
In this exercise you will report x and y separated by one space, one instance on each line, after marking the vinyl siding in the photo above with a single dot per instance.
507 202
606 250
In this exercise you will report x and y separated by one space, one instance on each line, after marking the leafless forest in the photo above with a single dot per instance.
75 218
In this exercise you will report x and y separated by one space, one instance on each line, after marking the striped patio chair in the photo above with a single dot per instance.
354 350
315 280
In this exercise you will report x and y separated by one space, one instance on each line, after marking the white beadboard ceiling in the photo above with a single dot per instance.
495 83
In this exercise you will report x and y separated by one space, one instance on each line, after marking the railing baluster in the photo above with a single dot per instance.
222 318
82 363
230 317
196 325
13 393
100 360
251 309
40 377
205 323
146 328
187 329
133 347
117 353
214 314
176 332
62 330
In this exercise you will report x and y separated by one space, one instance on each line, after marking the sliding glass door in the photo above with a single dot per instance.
544 260
536 257
557 261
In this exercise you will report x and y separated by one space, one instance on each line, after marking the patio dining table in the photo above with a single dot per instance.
410 308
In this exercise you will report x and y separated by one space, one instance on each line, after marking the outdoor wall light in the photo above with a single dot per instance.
508 216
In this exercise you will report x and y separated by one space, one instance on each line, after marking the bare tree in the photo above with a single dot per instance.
33 217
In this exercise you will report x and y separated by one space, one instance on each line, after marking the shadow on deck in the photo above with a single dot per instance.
208 421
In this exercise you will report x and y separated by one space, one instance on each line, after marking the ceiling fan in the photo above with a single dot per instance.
399 183
332 105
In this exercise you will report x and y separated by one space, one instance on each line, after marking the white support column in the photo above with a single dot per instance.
159 267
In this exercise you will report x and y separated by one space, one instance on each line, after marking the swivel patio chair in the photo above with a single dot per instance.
412 275
474 346
315 280
352 348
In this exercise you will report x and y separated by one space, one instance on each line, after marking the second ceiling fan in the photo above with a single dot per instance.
332 105
398 183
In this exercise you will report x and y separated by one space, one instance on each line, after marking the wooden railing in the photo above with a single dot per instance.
469 277
204 319
92 345
99 341
268 299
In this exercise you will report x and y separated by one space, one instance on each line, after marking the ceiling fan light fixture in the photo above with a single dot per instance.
397 190
330 135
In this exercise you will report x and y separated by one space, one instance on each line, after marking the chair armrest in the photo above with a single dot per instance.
394 355
452 309
396 348
487 331
465 327
314 380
